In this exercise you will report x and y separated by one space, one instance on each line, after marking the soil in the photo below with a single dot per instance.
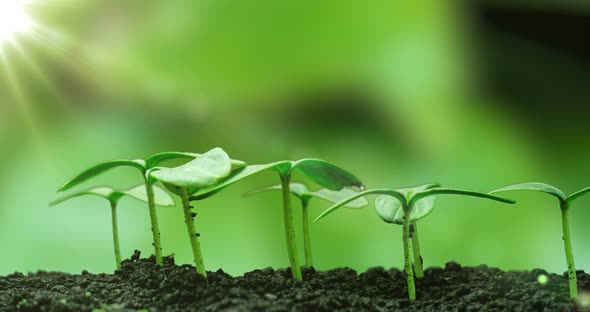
140 285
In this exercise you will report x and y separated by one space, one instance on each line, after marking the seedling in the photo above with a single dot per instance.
414 204
564 203
205 170
161 198
322 172
302 192
144 166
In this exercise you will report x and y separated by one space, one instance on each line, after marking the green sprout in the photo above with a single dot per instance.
144 166
413 205
161 198
205 170
564 203
321 172
302 192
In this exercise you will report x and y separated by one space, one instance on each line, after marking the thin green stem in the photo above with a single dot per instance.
407 260
154 220
569 256
192 233
115 234
418 270
306 240
289 229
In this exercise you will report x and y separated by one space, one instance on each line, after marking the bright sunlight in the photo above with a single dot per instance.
13 19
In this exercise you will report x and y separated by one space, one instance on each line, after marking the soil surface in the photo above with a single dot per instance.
140 285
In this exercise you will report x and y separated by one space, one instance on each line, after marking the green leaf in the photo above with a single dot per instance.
161 197
206 170
534 186
338 196
440 191
327 174
394 193
577 194
159 158
238 175
390 209
100 168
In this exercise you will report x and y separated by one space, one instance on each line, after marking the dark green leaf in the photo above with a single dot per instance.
401 197
327 174
100 168
206 170
534 186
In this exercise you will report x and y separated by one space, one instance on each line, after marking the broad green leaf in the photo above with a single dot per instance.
394 193
534 186
327 174
440 191
338 196
100 168
159 158
577 194
238 175
391 211
105 192
206 170
161 197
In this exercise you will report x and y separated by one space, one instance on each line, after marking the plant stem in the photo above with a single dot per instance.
407 260
569 256
115 234
289 230
418 270
154 220
192 233
306 240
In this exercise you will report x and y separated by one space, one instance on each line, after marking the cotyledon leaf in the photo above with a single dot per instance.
161 198
577 194
534 186
159 158
100 168
301 191
394 193
327 174
452 191
390 209
206 170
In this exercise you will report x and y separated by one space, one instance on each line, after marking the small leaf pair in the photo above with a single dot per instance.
564 204
302 192
161 198
406 206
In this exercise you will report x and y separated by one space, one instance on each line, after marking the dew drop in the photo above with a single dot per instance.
542 279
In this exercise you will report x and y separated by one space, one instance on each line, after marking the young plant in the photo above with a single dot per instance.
564 203
161 198
322 172
205 170
412 205
302 192
144 167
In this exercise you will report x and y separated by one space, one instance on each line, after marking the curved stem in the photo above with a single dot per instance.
569 256
306 240
418 270
192 233
407 260
154 220
289 230
115 234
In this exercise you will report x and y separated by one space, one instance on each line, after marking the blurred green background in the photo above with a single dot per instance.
476 95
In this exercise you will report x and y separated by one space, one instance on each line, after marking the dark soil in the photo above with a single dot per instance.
141 285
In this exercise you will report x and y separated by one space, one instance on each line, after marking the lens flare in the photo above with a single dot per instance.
13 19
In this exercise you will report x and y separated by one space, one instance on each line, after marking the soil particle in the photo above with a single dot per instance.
140 285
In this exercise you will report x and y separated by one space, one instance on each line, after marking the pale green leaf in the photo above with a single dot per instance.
161 197
534 186
100 168
391 211
338 196
206 170
401 197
